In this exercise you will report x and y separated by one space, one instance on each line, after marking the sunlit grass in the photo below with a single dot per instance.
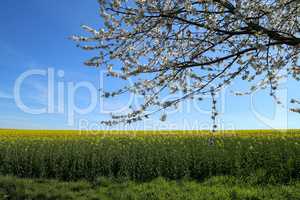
225 188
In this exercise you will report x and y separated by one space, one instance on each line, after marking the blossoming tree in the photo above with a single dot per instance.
193 48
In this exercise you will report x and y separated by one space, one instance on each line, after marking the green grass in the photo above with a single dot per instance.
223 188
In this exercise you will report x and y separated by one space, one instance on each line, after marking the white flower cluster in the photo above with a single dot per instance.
185 46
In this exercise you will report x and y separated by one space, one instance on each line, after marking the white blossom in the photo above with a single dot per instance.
186 46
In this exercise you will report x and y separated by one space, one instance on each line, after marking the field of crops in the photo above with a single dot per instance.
253 156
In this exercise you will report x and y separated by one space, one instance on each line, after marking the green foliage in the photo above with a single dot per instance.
256 159
222 187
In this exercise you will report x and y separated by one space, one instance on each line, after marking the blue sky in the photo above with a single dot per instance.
34 38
